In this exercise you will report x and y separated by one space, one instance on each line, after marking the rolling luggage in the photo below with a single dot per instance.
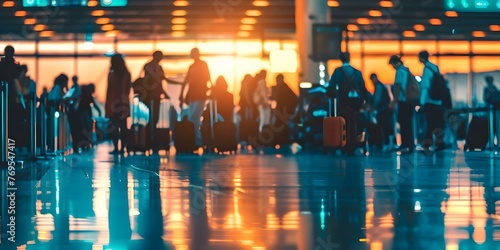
334 129
477 135
224 139
184 136
249 127
137 139
161 138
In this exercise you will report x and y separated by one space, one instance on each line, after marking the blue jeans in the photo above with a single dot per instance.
195 112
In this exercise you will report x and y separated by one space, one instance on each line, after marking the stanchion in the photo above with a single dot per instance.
43 126
33 125
491 129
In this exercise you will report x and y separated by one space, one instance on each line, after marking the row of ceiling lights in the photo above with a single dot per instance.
408 33
251 18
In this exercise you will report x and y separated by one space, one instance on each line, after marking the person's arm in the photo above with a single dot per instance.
94 104
397 88
184 84
425 84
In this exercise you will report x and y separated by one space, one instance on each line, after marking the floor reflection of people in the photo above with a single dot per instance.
336 199
419 220
199 230
118 216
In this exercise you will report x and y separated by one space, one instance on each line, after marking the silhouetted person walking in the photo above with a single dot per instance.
117 104
197 78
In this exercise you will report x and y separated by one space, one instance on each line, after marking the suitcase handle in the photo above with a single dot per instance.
335 103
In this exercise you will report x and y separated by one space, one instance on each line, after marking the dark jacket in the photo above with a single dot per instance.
348 79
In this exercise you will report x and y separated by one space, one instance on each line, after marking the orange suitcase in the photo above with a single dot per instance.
334 132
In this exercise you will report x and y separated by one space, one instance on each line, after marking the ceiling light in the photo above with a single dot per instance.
419 27
112 33
102 20
20 13
409 33
352 27
375 13
179 13
248 20
495 27
350 34
333 3
243 34
92 3
179 27
39 27
246 27
8 4
478 33
179 20
253 13
363 21
107 27
260 3
46 33
29 21
435 21
181 3
98 13
386 4
451 14
178 33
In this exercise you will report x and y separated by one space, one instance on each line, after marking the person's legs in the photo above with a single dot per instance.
438 129
384 121
114 133
262 117
405 116
195 112
122 125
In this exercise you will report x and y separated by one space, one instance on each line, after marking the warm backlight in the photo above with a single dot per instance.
248 20
386 4
478 33
246 27
451 14
181 3
179 13
20 13
179 27
8 4
253 13
333 3
29 21
46 33
409 33
495 27
92 3
112 33
283 61
260 3
178 34
243 34
102 20
39 27
352 27
435 21
107 27
363 21
419 27
179 20
98 13
375 13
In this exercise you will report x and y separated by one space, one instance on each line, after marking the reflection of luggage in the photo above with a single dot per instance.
184 137
137 139
477 135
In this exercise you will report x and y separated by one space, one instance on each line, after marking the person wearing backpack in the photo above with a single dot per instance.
351 95
405 93
433 92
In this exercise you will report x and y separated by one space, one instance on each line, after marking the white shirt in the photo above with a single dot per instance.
425 84
402 79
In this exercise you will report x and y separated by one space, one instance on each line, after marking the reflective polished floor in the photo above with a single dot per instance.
269 201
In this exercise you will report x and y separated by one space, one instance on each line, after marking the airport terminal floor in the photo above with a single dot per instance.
275 200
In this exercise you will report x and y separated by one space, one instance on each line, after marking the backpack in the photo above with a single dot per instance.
349 92
438 89
412 91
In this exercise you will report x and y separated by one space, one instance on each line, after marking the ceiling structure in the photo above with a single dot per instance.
149 19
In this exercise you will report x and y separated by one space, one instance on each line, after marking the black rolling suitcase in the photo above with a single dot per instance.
224 139
249 127
184 136
477 135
